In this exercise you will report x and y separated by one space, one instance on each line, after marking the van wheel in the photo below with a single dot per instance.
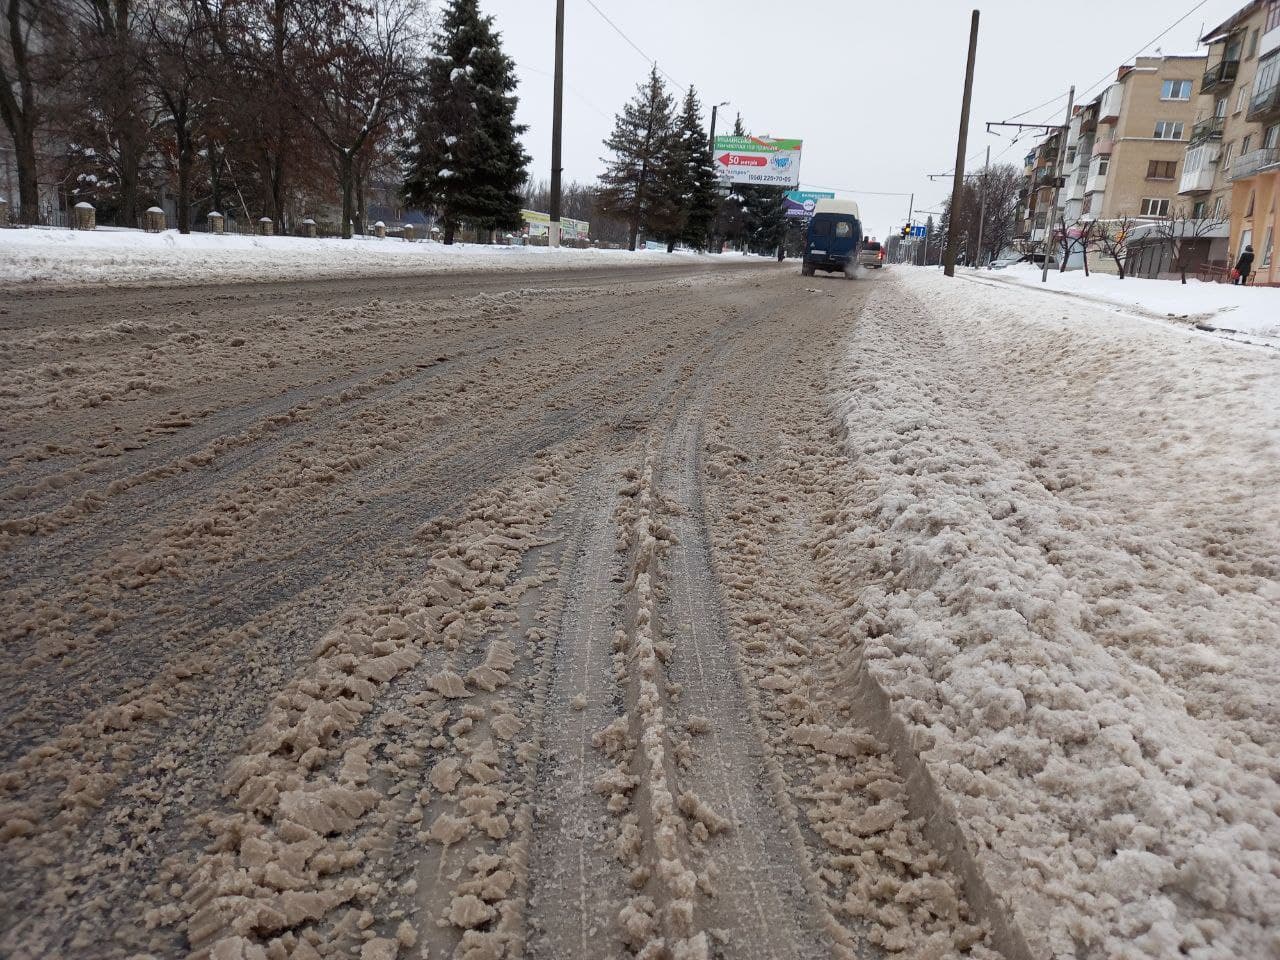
806 270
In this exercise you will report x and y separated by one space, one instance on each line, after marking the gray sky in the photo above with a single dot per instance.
873 89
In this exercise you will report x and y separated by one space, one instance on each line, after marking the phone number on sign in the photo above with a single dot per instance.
781 178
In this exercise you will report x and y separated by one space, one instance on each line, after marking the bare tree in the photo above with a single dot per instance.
1113 237
28 73
177 63
1180 234
358 66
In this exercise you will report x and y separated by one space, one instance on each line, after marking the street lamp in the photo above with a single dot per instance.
711 146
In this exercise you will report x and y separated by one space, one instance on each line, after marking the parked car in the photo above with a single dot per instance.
833 238
871 255
1001 262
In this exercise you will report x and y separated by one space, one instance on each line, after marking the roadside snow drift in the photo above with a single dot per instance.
131 256
1243 309
1063 557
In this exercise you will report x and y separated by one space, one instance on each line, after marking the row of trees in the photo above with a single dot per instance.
277 106
660 180
263 105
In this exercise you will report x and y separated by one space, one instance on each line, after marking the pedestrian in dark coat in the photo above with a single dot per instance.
1244 265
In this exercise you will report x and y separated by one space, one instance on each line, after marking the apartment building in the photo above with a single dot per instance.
1232 165
1138 128
1122 151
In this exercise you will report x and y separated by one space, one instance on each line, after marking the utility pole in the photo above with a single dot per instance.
1057 175
982 207
557 120
711 139
957 185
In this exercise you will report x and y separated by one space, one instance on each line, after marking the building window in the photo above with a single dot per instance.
1253 45
1154 208
1266 248
1175 90
1242 98
1161 169
1088 203
1220 108
1248 210
1268 74
1226 154
1197 210
1245 144
1168 130
1273 16
1103 163
1271 139
1217 207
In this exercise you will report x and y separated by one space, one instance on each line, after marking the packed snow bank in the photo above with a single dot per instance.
131 256
1063 562
1246 309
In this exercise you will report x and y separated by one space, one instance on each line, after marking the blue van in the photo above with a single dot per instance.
833 239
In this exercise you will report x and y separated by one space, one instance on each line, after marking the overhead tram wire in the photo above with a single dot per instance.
634 46
1110 73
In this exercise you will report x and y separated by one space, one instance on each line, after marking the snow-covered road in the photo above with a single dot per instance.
698 610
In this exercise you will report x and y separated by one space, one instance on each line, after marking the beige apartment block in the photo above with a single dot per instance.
1143 122
1232 167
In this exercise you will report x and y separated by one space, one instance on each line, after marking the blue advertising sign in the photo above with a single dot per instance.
918 231
800 203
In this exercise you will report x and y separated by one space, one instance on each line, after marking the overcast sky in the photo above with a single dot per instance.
873 88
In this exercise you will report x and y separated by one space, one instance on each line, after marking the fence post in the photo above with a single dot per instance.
4 212
86 218
407 230
217 224
309 228
153 220
264 227
380 230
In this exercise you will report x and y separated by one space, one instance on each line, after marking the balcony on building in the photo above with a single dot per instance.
1109 107
1255 162
1265 104
1270 42
1199 167
1103 146
1207 129
1221 76
1096 183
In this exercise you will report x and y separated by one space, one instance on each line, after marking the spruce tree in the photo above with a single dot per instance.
464 159
632 187
699 186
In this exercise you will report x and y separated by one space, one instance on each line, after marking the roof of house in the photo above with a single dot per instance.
1233 21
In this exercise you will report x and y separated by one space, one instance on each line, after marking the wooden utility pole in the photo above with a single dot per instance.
557 119
982 207
1057 176
957 184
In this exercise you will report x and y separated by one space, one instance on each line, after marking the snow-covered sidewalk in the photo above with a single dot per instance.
132 256
1064 569
1247 310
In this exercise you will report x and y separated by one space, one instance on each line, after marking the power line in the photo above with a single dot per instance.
1110 73
865 193
634 46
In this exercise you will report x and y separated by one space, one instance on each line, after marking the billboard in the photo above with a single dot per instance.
537 224
758 161
800 203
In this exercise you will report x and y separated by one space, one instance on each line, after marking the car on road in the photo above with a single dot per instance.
871 255
833 239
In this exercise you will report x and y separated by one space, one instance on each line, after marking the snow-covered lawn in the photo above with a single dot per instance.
1246 309
1065 565
132 256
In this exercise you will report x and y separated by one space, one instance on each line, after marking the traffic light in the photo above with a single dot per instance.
906 231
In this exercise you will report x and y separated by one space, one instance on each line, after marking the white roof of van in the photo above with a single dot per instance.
837 206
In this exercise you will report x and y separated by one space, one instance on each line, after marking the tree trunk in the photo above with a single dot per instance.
28 183
361 225
450 227
671 245
130 163
186 160
346 180
277 192
215 178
